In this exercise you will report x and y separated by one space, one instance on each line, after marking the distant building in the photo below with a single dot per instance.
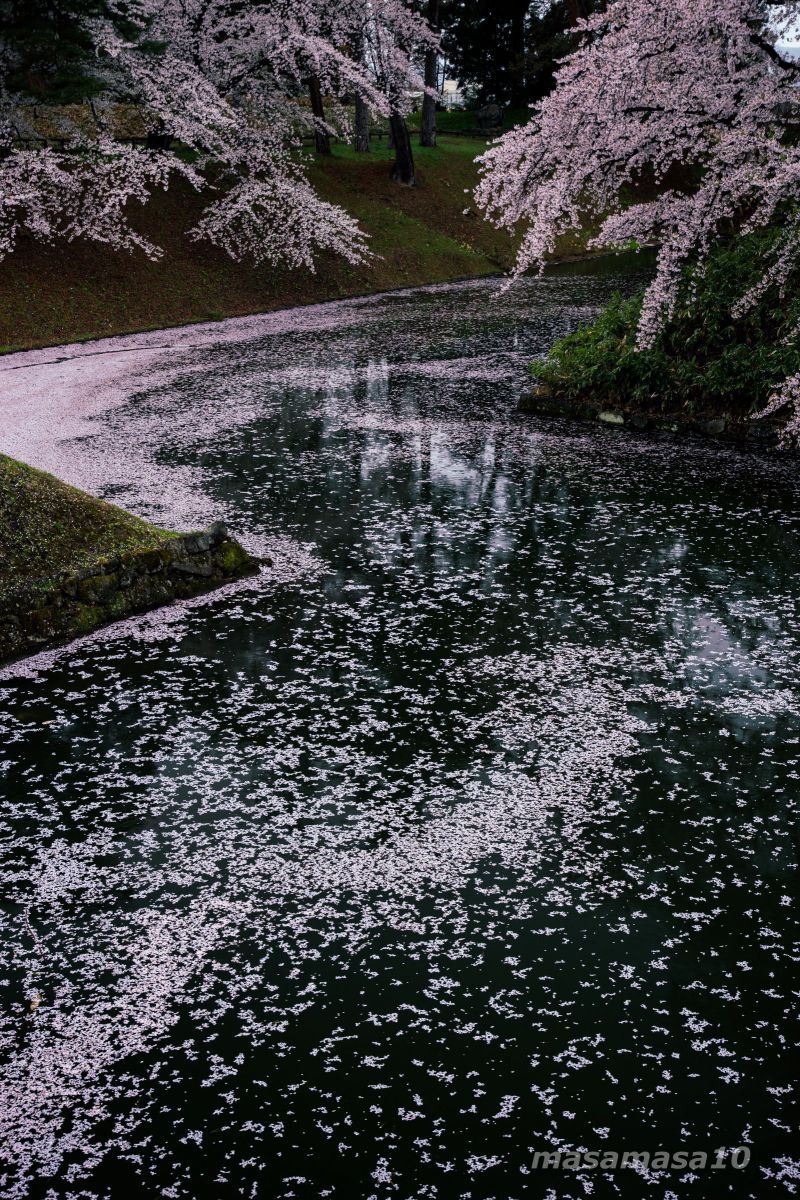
452 95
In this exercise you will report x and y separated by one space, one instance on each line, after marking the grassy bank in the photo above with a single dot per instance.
48 528
66 292
70 563
710 364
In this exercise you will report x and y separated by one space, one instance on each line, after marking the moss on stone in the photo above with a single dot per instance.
118 607
85 619
231 557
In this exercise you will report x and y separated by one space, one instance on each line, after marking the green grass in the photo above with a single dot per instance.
461 120
704 361
70 291
48 527
423 155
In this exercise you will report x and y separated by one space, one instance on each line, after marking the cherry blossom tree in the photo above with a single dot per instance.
80 188
688 96
394 39
222 81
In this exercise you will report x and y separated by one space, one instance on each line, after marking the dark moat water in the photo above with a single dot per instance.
464 833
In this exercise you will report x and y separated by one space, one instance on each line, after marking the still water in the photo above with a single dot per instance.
467 831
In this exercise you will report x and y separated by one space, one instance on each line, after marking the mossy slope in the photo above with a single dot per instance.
48 528
70 563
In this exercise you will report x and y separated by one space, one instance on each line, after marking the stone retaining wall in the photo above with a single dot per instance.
113 588
543 403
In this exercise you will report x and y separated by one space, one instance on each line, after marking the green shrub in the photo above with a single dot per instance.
703 360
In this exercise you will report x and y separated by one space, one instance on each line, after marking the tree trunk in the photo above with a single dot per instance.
361 140
403 166
427 132
321 138
517 59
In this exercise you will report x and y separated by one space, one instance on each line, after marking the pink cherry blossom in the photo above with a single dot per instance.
690 94
225 86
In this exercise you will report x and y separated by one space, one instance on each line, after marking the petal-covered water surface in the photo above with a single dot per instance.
464 832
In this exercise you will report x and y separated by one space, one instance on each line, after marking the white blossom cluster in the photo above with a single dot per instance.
221 81
689 98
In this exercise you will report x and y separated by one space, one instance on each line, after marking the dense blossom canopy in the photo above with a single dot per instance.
222 81
675 121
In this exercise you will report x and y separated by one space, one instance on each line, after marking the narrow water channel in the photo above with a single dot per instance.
467 831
